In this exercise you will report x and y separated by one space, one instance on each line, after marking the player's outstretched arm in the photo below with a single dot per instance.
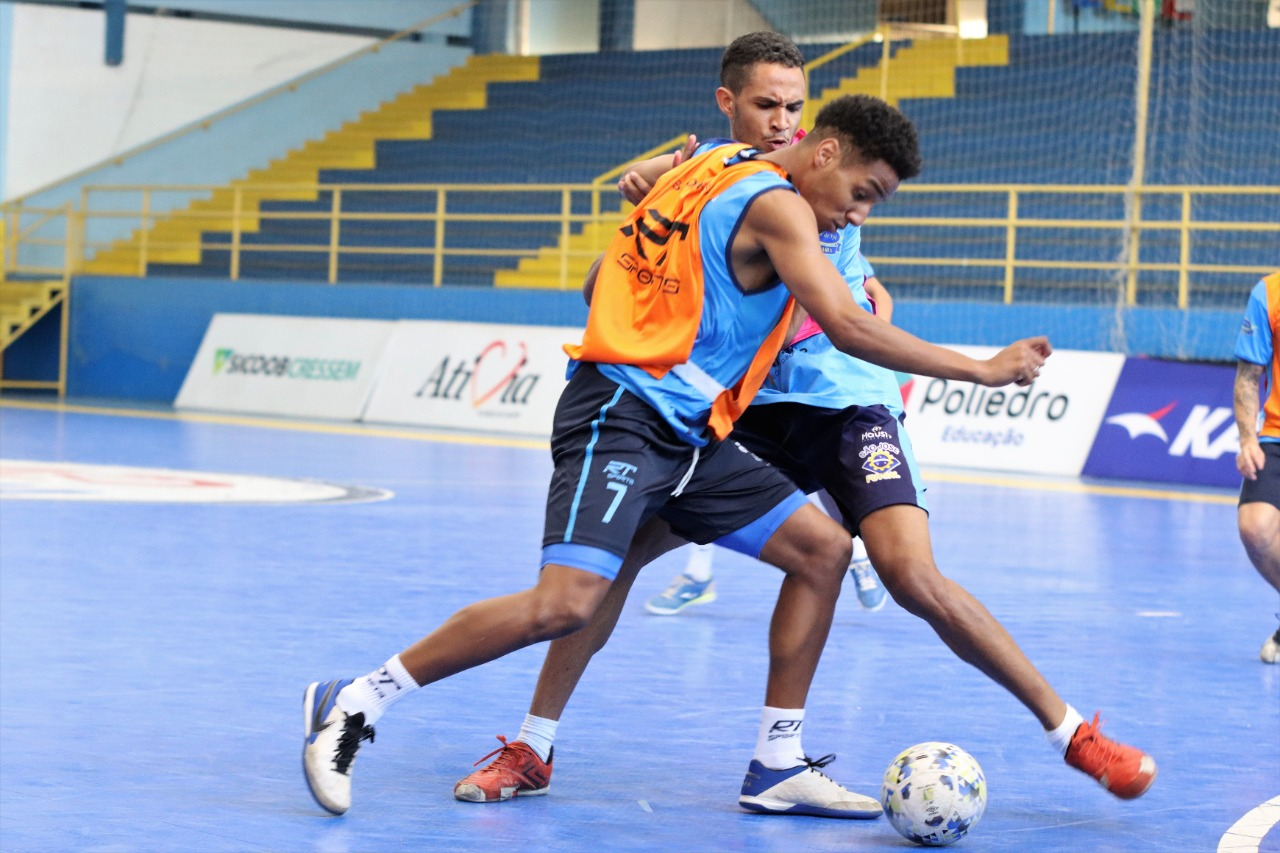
786 230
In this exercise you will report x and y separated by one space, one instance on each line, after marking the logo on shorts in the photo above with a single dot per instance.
880 460
620 471
875 433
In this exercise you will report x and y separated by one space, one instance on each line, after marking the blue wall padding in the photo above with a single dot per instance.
134 338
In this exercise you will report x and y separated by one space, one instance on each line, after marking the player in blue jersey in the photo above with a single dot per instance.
639 438
762 95
1258 516
830 422
695 585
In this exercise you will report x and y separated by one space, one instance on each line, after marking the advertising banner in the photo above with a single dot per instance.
295 366
1169 422
480 376
1044 428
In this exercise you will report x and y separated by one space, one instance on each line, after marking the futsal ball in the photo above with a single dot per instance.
934 793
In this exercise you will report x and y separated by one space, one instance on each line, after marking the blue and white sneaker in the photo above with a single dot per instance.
683 592
331 743
871 593
803 790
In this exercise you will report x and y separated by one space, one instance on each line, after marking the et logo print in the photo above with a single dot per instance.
1168 422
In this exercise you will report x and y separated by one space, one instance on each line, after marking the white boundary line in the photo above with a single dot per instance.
1247 833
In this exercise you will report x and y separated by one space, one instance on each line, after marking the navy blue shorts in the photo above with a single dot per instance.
1265 489
861 455
618 463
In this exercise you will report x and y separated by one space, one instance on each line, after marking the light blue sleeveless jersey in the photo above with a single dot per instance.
733 326
815 373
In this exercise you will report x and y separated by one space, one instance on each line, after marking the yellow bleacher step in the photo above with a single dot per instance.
507 279
24 296
294 170
469 96
333 144
539 281
577 266
362 137
218 215
504 68
543 269
992 50
401 130
372 129
338 158
939 83
22 303
10 322
167 251
922 69
109 263
188 255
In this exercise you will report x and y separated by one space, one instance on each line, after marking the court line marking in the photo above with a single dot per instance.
937 475
1246 834
274 423
1083 488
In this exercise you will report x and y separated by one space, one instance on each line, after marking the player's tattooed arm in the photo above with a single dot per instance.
1250 459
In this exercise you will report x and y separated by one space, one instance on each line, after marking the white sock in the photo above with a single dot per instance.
778 745
373 693
539 734
699 565
859 550
1060 737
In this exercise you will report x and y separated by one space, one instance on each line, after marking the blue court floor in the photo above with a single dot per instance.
153 655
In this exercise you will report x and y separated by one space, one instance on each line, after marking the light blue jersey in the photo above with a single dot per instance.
1255 345
812 371
733 325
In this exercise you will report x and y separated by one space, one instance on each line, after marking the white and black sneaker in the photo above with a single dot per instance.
332 739
803 790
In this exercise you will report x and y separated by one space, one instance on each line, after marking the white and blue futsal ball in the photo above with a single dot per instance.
934 793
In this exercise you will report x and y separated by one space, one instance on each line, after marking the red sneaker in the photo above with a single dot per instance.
1122 770
516 772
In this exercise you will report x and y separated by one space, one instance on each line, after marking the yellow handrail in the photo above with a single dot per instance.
562 262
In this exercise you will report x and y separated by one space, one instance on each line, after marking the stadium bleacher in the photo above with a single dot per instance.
1060 112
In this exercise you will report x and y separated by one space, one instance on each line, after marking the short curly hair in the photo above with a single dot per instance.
746 52
875 130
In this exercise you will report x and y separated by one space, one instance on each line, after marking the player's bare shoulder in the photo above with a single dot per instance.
781 211
776 219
